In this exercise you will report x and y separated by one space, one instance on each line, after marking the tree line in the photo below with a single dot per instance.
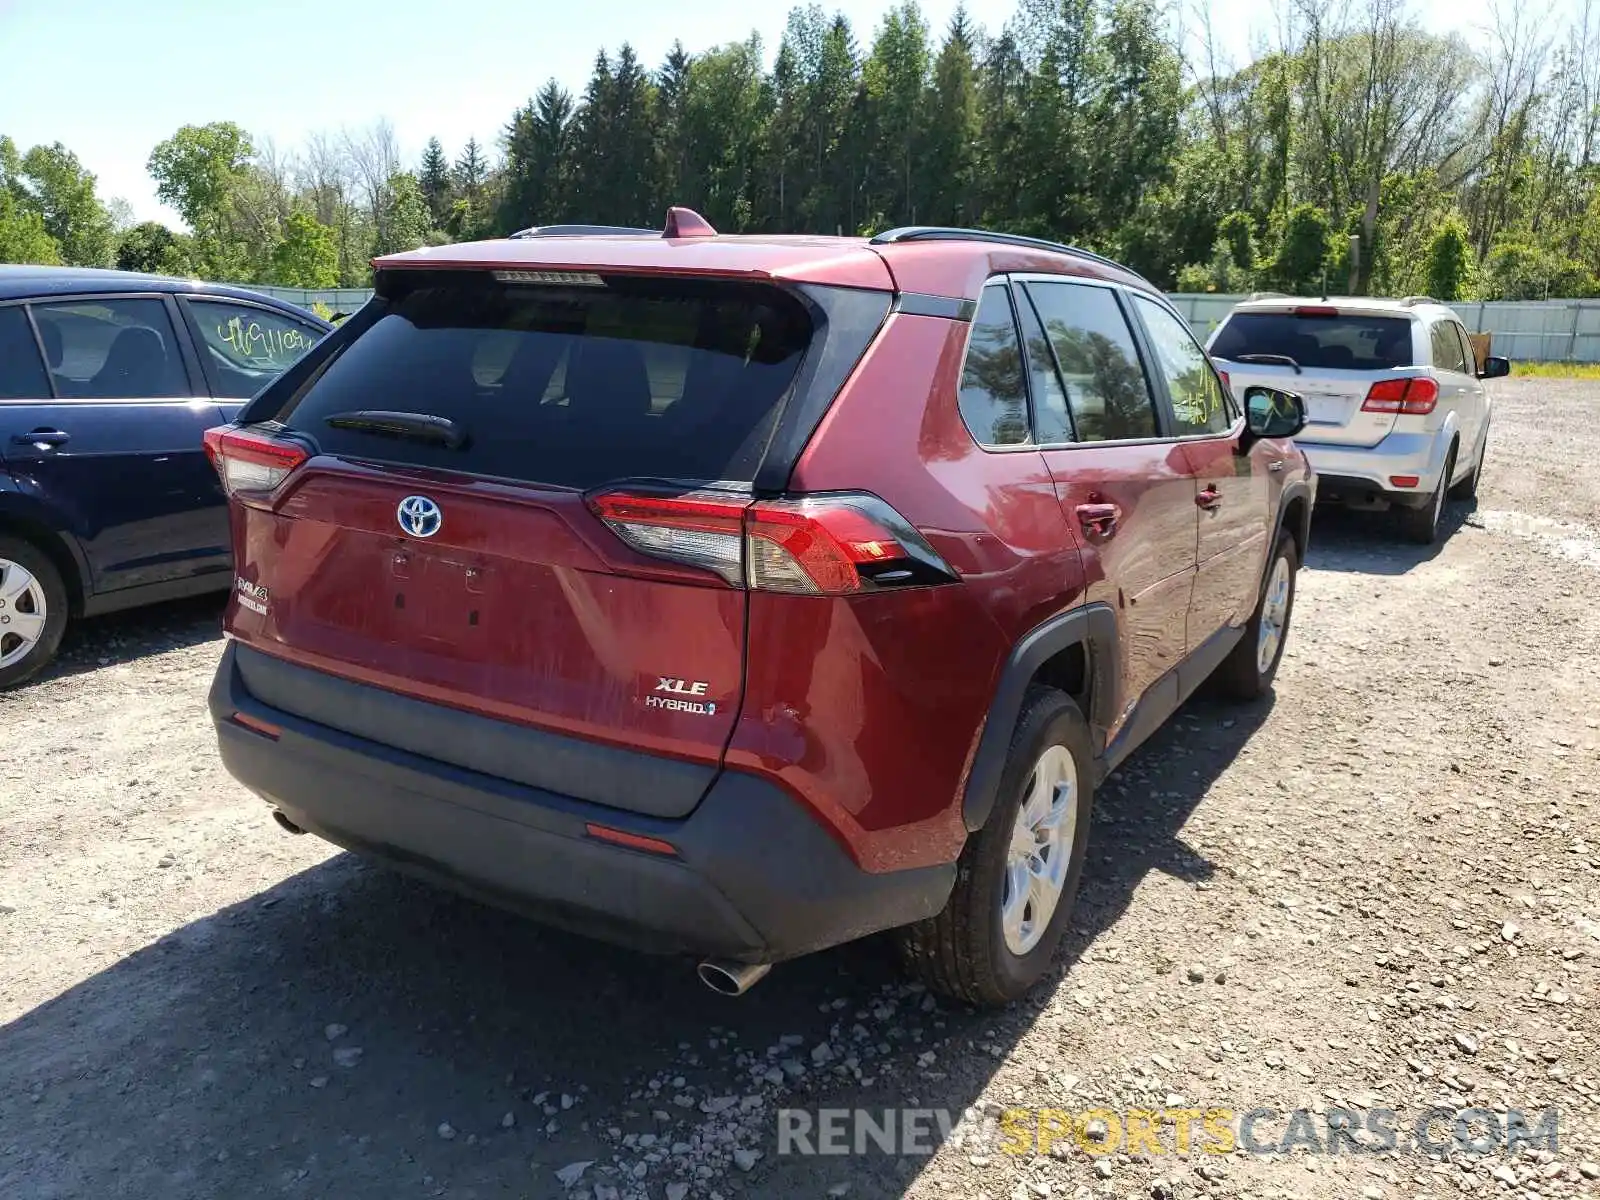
1357 152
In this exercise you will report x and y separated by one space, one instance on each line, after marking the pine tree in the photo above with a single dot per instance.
538 148
434 179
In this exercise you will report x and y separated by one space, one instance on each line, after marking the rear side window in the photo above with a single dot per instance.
1106 389
994 396
22 374
1338 342
570 386
1447 347
111 350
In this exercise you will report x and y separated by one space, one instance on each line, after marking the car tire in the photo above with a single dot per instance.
983 949
1421 524
29 582
1248 671
1467 489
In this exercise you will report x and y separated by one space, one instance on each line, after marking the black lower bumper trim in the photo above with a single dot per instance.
756 879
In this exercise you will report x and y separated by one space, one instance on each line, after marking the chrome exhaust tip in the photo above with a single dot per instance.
284 823
731 978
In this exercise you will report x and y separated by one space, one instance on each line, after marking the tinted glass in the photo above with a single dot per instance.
111 350
245 346
1197 403
1349 343
1105 386
1447 347
570 386
22 374
994 398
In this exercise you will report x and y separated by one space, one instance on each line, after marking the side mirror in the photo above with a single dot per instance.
1270 413
1495 367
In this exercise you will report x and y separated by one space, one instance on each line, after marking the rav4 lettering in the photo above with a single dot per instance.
252 595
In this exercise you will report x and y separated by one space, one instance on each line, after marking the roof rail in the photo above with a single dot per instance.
1410 300
537 231
1268 296
943 233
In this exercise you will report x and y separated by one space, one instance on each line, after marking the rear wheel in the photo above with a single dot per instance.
1421 524
1017 879
33 610
1249 669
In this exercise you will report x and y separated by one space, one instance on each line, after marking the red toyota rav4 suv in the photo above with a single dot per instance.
741 596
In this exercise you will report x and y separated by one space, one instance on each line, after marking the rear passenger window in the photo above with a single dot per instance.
1198 406
994 397
22 374
111 350
1106 389
1447 347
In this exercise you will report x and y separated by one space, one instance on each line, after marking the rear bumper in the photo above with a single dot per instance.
756 879
1363 474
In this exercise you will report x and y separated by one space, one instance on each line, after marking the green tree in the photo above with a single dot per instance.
308 255
154 249
538 163
434 178
895 79
1238 232
948 159
62 192
23 237
1450 265
1302 258
407 222
199 170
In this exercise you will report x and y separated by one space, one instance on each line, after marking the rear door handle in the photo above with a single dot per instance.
42 438
1209 497
1099 521
1275 465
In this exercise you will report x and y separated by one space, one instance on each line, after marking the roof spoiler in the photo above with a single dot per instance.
681 223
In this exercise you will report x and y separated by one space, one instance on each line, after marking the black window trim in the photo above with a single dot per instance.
1467 347
192 326
180 333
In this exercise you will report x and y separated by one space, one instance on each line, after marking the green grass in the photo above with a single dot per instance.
1555 370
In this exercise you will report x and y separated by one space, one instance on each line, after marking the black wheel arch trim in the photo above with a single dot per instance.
1092 626
1297 490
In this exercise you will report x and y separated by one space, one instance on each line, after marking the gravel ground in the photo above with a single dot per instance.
1379 890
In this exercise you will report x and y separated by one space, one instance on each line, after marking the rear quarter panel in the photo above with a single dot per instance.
869 709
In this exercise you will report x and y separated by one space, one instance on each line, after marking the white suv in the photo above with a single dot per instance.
1397 414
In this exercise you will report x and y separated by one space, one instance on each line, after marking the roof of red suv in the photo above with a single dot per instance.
945 263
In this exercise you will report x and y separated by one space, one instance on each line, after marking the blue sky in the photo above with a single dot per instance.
111 78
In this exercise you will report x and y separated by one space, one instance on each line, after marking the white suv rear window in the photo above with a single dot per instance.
1331 343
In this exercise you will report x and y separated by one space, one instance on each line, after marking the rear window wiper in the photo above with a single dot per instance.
417 427
1280 359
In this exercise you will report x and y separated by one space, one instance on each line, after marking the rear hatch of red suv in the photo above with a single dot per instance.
520 494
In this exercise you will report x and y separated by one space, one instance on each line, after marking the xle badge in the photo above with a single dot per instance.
668 690
252 595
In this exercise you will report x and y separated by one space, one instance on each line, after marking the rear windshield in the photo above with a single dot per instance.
1349 343
569 385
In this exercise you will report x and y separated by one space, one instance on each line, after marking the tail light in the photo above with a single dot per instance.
249 463
1227 384
1415 396
815 545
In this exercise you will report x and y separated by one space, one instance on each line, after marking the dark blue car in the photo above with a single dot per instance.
108 381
